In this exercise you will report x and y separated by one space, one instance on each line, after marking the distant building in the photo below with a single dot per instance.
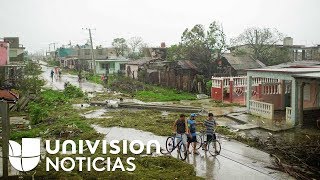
296 52
235 65
4 53
16 51
106 60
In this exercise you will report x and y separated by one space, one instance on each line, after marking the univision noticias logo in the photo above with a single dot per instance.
26 156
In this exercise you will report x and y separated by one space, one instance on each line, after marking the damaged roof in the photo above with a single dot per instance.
186 64
8 95
242 62
139 61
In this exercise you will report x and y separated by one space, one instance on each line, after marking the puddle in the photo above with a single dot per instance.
241 162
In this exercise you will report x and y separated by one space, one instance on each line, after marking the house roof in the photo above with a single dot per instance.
8 95
313 75
139 61
186 64
241 62
296 64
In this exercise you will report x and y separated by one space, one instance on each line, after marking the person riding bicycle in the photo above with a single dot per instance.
210 125
180 128
192 137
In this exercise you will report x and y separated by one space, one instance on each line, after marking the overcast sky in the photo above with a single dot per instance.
40 22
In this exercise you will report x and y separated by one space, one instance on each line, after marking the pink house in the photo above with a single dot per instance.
4 53
288 92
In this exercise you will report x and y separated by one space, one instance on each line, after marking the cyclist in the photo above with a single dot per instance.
210 125
180 128
192 136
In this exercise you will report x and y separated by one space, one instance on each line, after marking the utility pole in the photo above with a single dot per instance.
4 113
92 53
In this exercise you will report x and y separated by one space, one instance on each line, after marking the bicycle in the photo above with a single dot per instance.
213 146
182 149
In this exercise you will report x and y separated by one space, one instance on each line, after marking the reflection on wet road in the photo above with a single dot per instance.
237 161
58 84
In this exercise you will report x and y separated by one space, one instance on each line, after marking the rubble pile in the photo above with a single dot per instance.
299 158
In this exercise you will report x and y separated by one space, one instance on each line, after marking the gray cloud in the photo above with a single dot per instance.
40 22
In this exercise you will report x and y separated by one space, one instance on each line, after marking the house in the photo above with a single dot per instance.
288 92
181 75
132 67
81 57
235 65
9 96
16 52
233 89
11 61
292 91
4 53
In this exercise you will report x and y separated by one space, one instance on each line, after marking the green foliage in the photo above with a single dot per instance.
208 86
60 118
30 81
176 52
201 46
53 63
261 43
50 99
163 94
147 92
37 113
71 91
120 46
94 78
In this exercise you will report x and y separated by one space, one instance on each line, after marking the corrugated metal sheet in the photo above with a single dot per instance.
242 62
187 64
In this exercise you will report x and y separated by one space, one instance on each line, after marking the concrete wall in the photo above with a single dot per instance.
114 66
134 70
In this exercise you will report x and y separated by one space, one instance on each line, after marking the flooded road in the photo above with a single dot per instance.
58 84
236 161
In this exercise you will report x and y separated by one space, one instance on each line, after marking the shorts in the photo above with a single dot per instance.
180 137
192 139
211 137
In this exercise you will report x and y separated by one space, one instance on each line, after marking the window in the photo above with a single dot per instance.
104 66
306 92
123 67
111 65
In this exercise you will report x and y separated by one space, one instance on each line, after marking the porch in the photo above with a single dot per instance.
286 98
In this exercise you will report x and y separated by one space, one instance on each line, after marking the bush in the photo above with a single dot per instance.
71 91
37 113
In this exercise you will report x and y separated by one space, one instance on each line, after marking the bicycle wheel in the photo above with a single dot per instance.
214 147
183 152
199 141
170 144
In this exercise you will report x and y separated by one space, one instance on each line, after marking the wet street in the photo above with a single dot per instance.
236 161
58 84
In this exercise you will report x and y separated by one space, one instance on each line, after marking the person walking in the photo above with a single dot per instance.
51 75
192 136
